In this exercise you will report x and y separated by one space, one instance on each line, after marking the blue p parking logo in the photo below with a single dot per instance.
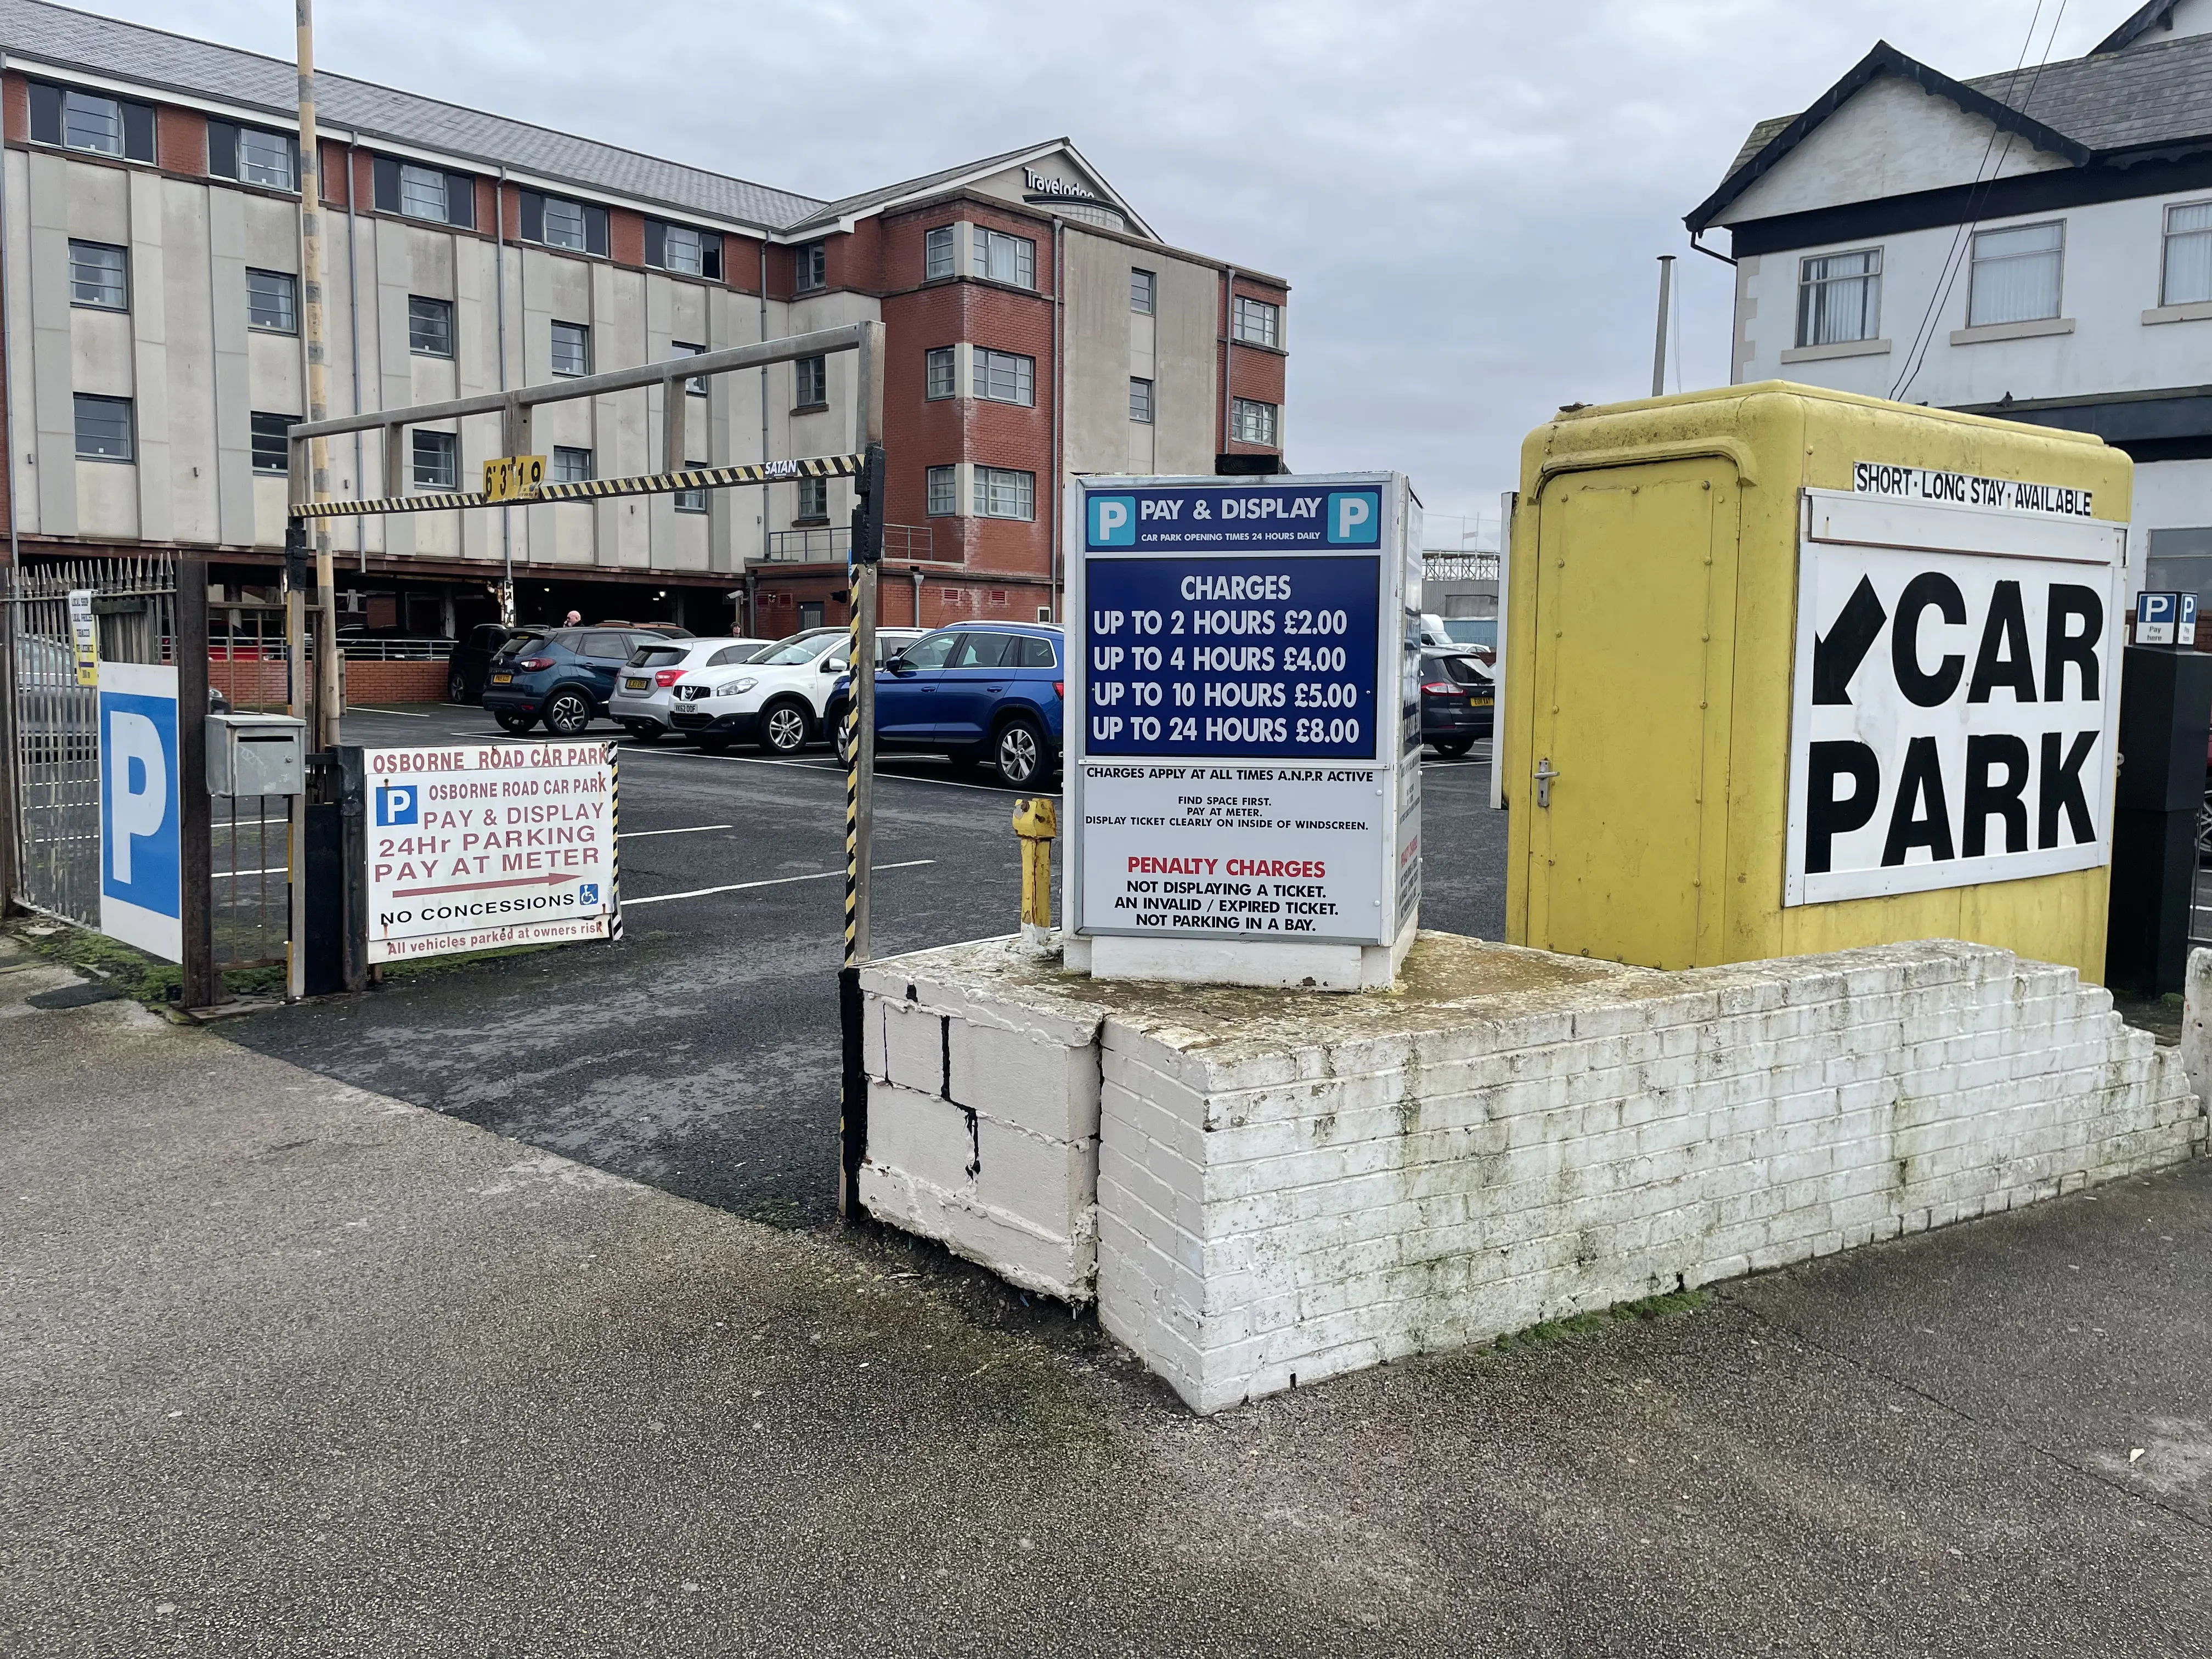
1355 518
398 803
1113 521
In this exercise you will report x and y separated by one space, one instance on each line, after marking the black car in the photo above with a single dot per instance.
470 664
563 677
1458 700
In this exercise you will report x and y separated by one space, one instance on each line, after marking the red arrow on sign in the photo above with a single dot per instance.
480 886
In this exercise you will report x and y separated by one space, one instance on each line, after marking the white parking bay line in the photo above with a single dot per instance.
405 714
780 881
693 829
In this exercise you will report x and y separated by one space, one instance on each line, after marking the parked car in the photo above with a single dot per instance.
1475 634
779 699
468 666
1458 700
563 677
645 688
991 697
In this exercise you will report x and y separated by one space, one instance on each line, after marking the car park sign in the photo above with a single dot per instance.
1956 696
1243 709
473 847
141 829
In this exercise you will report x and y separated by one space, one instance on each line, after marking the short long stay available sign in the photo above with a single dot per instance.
476 846
1956 693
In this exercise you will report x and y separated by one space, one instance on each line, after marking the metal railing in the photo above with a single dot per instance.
828 543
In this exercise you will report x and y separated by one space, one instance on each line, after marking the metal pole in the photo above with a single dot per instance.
319 402
10 580
1659 343
295 685
203 986
864 563
499 288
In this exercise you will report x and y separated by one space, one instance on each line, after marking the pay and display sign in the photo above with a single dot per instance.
476 846
1955 696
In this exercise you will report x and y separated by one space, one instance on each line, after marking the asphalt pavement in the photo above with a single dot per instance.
288 1367
699 1053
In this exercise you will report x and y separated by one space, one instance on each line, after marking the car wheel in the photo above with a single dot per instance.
515 723
847 735
1451 747
783 729
456 687
1019 752
567 711
645 731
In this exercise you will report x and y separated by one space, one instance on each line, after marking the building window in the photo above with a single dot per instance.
429 326
1002 493
89 121
810 383
422 192
1141 400
572 349
103 428
1251 421
1005 258
697 386
1004 378
272 450
100 276
1839 298
682 249
1259 323
690 501
272 302
254 155
943 491
571 464
2017 274
937 253
811 267
1143 285
556 221
437 460
2187 276
943 379
814 498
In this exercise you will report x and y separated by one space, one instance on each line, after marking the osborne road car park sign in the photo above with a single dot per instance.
481 845
140 845
1956 688
1244 744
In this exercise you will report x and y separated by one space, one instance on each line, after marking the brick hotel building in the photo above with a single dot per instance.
1037 327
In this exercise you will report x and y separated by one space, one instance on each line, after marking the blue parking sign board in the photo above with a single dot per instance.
141 861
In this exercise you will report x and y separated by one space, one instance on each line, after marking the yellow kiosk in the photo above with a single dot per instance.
1789 670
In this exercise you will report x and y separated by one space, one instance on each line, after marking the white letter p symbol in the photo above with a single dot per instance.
140 812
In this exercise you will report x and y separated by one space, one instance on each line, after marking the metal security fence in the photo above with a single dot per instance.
53 722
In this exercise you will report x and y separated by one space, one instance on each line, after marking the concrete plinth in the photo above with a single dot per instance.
1266 1187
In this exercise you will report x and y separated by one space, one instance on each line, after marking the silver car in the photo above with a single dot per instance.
643 688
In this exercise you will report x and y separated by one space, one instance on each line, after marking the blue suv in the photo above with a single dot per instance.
985 695
563 677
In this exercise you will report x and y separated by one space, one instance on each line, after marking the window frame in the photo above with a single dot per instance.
938 386
281 463
582 341
78 401
1023 254
291 290
688 501
810 374
388 182
447 444
444 312
1807 284
810 267
949 477
77 300
532 219
985 361
1270 338
1149 289
695 385
1975 262
2165 240
818 488
560 464
1237 406
49 113
226 154
1146 399
1021 483
707 242
940 238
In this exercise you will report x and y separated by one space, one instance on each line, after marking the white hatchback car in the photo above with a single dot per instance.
777 699
642 689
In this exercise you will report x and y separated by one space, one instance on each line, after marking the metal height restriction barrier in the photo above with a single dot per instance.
866 466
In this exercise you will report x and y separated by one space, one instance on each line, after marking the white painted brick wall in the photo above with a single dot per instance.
1289 1186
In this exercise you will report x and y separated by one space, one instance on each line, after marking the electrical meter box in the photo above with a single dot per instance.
1790 670
256 754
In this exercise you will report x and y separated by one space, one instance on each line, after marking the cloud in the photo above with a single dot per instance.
1468 199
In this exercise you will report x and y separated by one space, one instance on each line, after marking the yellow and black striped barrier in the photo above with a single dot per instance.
593 489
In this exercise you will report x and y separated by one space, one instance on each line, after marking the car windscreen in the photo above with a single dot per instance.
521 644
1464 670
657 656
797 651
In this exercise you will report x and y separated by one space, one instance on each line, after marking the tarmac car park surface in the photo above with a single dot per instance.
699 1053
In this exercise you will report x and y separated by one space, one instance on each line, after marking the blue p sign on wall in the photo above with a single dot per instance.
1355 518
141 891
398 803
1113 521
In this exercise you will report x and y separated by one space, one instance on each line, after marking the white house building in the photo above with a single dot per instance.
2036 245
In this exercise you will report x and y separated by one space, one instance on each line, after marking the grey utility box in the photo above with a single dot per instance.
256 754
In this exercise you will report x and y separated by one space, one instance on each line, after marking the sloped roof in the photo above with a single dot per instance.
850 205
156 59
2144 20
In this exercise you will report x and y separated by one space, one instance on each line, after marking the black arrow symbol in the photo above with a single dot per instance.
1837 657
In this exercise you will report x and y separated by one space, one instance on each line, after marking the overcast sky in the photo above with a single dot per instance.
1467 198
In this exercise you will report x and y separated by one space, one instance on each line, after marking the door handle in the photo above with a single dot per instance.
1544 774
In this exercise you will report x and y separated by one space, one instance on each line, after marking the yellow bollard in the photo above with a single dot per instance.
1037 823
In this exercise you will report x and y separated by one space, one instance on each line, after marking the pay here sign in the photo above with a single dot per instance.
1954 699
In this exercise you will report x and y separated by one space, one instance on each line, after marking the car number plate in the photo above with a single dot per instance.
633 684
502 679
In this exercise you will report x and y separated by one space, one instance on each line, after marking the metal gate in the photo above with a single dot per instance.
53 722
